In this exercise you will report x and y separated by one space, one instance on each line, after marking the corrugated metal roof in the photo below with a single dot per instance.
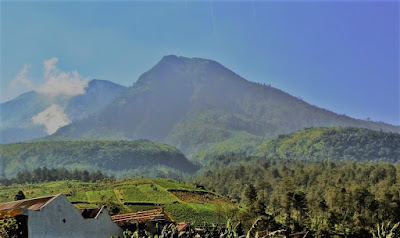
157 215
31 204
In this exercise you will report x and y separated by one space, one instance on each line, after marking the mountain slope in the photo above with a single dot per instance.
99 93
17 115
183 201
334 143
109 156
194 103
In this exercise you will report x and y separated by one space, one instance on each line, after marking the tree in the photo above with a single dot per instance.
19 196
249 195
323 207
300 205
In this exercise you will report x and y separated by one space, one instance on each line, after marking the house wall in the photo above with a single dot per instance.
102 226
49 222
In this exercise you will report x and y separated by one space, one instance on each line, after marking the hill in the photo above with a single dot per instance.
334 143
194 103
18 115
132 195
140 157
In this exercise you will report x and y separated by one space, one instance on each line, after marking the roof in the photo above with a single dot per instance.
156 215
182 225
31 204
91 212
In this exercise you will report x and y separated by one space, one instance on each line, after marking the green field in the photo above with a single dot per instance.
116 193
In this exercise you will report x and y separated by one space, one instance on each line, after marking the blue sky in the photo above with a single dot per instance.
338 55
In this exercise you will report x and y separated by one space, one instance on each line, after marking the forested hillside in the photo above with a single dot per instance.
140 157
311 144
347 199
195 103
334 143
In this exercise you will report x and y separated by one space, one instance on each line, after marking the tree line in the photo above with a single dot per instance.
44 174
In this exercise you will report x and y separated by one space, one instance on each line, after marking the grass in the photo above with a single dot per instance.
190 197
156 194
101 196
128 190
133 194
171 184
197 214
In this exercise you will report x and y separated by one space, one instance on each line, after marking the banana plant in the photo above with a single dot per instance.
385 231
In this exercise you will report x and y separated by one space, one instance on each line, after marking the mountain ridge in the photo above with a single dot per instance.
17 115
193 103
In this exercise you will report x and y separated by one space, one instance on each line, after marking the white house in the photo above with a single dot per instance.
55 216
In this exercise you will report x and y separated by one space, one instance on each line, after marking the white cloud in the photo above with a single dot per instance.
52 118
49 65
21 78
61 83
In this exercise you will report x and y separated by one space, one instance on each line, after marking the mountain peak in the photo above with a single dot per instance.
96 84
173 59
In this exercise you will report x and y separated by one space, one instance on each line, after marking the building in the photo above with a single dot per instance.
143 219
55 216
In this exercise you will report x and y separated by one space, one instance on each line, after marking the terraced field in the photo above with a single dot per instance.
134 194
201 197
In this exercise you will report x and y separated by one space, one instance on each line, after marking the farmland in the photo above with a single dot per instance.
133 195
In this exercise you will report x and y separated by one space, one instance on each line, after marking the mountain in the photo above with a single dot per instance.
18 115
99 93
193 103
334 143
119 157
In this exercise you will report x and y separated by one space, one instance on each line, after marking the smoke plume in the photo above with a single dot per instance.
61 83
52 118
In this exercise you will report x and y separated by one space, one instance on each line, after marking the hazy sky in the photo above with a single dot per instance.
339 55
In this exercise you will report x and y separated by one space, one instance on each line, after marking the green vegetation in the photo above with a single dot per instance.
39 175
9 228
342 198
115 194
314 144
198 214
334 143
140 157
171 184
171 231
